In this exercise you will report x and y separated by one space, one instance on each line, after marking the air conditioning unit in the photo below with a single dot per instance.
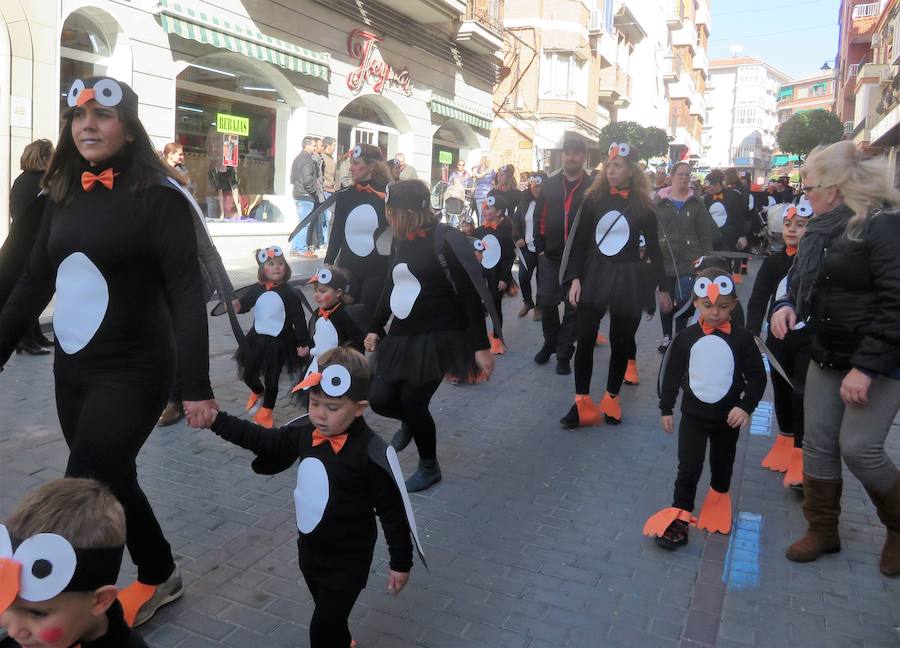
848 127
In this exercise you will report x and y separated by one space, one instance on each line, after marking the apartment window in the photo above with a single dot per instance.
819 90
749 74
802 93
564 76
747 116
852 71
866 10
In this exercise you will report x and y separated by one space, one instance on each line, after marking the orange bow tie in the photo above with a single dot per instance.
325 314
491 226
337 441
709 328
614 191
420 233
362 187
791 250
88 179
718 196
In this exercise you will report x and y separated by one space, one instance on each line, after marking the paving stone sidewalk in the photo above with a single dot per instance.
533 538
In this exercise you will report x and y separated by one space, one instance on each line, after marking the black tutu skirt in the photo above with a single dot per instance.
614 286
265 351
424 357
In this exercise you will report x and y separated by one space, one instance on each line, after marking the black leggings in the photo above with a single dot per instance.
105 425
788 403
328 625
498 304
668 319
409 403
268 387
621 342
525 275
693 432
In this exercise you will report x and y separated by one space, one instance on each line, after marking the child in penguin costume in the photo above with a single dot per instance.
525 222
435 293
793 352
731 213
719 369
117 245
360 240
337 321
347 476
601 265
278 335
495 247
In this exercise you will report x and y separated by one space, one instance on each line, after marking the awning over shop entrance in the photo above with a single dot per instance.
466 114
188 22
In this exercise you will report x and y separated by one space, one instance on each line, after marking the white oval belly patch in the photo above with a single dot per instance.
491 254
82 299
269 314
711 369
359 231
311 494
611 238
406 291
782 289
718 213
325 337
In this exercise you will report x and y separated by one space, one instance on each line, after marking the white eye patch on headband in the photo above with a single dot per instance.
619 150
334 380
536 180
357 151
268 253
490 201
712 288
105 92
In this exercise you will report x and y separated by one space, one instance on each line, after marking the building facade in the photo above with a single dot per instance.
811 93
742 119
242 83
857 22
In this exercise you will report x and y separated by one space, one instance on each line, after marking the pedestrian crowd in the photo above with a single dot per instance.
110 227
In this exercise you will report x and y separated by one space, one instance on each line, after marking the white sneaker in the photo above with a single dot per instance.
165 593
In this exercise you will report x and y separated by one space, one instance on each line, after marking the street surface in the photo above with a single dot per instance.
533 538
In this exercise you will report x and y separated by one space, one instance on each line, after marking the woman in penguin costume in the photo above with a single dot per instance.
117 246
524 223
435 293
360 240
278 335
602 265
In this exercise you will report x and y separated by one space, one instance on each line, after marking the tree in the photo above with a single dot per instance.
650 142
804 131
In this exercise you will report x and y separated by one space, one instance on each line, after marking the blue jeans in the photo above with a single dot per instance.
301 241
323 222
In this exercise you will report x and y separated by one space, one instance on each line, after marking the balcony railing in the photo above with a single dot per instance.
615 84
672 67
488 13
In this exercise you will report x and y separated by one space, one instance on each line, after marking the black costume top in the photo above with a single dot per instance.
730 214
24 191
120 264
359 239
561 200
337 497
770 286
118 635
604 252
496 267
716 372
336 327
277 312
525 220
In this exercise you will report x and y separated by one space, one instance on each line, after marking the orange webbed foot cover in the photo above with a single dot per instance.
251 401
780 455
794 474
657 523
265 417
611 406
497 347
133 597
716 514
588 413
631 373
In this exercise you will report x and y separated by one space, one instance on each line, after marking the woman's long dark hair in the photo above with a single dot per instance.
142 167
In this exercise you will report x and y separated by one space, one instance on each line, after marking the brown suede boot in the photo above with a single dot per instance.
888 507
821 508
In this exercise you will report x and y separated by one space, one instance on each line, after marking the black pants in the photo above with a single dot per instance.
668 319
525 275
408 403
693 433
328 626
788 404
105 424
621 342
268 387
558 336
498 304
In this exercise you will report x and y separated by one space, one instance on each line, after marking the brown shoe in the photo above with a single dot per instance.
524 310
173 413
536 315
822 509
888 507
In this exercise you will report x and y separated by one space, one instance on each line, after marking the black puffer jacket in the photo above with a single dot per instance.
856 302
685 234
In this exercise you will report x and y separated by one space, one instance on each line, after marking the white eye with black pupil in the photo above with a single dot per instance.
701 287
48 564
479 245
325 276
725 284
538 181
107 93
335 381
75 90
276 250
491 201
624 150
804 209
357 151
261 257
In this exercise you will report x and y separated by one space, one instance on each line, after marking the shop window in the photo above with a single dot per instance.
84 52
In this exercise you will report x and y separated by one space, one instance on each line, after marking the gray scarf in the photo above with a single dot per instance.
821 231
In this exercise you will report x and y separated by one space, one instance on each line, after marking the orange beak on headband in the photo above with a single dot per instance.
614 153
10 571
311 380
712 293
86 95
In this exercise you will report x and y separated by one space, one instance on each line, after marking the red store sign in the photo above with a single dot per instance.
373 69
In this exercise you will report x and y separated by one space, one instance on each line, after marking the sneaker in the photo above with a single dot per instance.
172 414
570 421
295 253
562 367
663 347
153 597
427 475
543 356
675 536
524 310
309 254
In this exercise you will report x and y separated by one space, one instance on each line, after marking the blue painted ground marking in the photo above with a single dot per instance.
742 560
761 423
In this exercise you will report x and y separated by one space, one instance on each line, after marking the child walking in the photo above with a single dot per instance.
718 366
332 325
347 476
494 242
278 334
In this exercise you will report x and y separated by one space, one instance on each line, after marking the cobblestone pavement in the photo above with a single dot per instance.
533 538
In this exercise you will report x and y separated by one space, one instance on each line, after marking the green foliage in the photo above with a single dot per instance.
805 131
650 141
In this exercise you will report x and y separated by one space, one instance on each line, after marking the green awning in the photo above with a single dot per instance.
785 93
188 22
466 114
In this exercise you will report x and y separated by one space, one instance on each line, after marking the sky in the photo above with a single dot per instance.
795 36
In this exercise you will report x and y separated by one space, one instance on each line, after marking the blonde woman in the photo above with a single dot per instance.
845 282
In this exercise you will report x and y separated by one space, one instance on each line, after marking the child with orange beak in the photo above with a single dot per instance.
718 366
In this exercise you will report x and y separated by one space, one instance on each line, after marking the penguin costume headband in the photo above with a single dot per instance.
330 277
802 210
367 152
106 91
270 252
623 150
335 381
496 200
711 289
45 565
